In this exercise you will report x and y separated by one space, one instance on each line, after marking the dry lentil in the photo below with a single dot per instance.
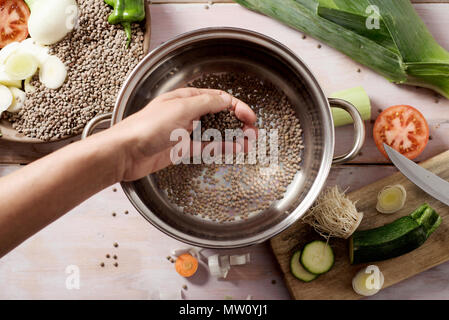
97 63
228 192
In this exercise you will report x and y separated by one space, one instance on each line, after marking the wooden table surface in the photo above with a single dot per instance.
83 238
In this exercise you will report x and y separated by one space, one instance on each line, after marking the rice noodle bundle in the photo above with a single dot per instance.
333 215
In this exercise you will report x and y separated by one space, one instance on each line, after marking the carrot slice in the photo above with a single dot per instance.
186 265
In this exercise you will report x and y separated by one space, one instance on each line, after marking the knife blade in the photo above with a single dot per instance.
424 179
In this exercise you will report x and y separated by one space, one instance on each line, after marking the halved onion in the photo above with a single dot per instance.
391 199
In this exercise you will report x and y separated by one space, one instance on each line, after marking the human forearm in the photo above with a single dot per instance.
38 194
44 190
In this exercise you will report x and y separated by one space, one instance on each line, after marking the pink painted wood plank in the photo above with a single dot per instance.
83 237
333 70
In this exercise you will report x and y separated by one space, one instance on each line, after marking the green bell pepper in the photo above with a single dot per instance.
126 12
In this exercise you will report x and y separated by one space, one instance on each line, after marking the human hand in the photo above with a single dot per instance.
144 137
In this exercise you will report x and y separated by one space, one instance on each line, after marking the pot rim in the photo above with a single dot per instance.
315 90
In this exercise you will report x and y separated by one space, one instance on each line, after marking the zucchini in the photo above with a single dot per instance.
317 257
298 270
397 238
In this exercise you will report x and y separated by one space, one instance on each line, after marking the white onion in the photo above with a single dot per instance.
51 20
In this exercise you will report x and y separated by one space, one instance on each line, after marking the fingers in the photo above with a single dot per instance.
213 101
186 93
179 94
242 111
198 102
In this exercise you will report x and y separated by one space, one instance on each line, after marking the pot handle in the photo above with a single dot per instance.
359 128
95 122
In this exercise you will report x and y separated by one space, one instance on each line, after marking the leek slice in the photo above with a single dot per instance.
368 281
391 199
20 66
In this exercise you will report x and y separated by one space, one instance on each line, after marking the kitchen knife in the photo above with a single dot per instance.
426 180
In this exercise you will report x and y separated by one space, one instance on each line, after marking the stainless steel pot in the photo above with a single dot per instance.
216 50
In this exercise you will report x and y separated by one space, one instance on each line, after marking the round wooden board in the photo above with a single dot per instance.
10 134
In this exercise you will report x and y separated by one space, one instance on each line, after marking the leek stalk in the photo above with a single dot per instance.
359 98
402 49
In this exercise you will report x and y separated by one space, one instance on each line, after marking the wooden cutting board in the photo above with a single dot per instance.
337 283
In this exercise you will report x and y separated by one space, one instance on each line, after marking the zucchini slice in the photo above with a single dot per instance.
298 270
317 257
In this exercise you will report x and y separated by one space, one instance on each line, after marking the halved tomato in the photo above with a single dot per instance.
14 16
403 128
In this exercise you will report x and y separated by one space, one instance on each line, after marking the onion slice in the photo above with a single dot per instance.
6 80
53 73
28 86
19 98
6 98
21 66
